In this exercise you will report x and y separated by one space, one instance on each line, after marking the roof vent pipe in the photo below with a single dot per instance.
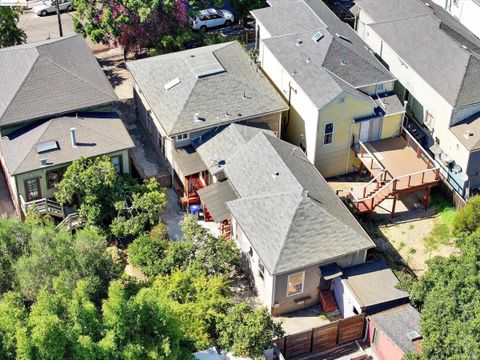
275 174
73 135
299 42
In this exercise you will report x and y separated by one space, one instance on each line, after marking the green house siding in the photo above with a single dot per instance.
41 174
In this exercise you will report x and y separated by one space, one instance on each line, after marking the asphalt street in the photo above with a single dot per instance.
40 28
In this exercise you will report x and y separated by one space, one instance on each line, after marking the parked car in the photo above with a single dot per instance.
210 18
50 6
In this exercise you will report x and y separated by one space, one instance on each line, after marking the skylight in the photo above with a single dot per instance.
46 146
317 36
172 83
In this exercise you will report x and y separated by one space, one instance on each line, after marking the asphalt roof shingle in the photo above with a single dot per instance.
396 323
96 135
338 61
287 210
48 78
433 44
239 92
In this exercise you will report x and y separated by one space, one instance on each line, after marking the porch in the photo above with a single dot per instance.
398 165
67 216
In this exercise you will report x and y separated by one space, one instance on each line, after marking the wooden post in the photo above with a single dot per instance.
423 176
409 179
361 167
437 173
364 191
393 206
427 197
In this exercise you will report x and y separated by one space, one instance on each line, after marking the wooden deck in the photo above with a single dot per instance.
398 165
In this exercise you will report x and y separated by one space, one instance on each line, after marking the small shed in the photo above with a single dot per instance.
393 333
367 288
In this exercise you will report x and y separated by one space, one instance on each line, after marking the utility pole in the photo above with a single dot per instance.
57 5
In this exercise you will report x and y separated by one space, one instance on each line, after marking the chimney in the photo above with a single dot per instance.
43 162
73 133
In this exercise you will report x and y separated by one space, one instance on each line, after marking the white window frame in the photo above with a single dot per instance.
182 137
303 283
324 133
431 123
379 88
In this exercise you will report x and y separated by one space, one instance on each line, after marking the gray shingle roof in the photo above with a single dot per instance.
396 323
373 283
443 62
338 63
215 198
286 208
390 103
187 161
223 143
468 132
96 135
52 77
217 99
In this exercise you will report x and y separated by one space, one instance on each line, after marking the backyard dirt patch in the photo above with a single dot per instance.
414 235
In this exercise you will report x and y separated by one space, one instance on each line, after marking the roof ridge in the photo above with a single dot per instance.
275 265
74 74
182 107
20 86
403 18
47 126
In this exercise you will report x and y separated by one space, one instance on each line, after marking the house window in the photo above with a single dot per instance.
181 137
328 134
295 283
379 88
117 163
429 120
32 189
53 178
261 269
375 337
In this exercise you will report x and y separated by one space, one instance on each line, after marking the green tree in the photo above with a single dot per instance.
14 242
141 212
147 254
13 315
96 185
449 297
191 229
247 332
467 219
243 7
10 33
198 301
217 256
74 257
141 326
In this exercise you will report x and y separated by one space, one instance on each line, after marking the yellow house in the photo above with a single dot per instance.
338 92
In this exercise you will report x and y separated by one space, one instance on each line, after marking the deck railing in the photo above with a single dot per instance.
365 153
415 145
384 184
42 206
72 221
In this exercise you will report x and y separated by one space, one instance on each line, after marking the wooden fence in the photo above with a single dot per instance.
322 338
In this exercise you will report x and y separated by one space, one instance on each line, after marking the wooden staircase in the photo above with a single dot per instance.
327 300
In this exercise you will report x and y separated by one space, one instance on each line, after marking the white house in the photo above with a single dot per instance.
466 11
437 64
334 86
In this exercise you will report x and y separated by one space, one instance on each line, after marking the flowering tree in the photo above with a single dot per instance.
131 24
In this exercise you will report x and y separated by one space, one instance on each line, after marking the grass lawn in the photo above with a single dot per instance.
441 233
